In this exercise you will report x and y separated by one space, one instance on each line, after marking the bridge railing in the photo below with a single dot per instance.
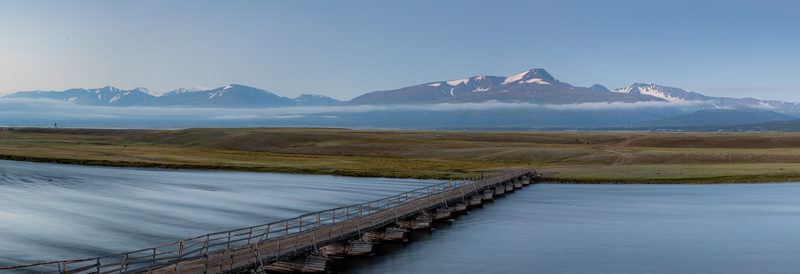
211 248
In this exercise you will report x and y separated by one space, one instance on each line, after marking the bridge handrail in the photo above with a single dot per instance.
202 246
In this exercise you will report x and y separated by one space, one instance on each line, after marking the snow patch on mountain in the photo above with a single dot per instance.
308 96
514 78
536 80
457 82
657 91
435 84
116 97
148 92
200 88
185 90
219 93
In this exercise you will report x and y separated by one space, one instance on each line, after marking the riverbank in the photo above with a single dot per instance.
289 170
567 157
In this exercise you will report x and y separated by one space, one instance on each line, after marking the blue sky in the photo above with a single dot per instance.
347 48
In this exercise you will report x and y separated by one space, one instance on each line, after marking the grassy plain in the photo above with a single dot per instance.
588 157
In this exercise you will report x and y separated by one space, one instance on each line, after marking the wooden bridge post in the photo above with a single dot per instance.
278 251
314 241
266 233
258 255
233 256
295 242
124 264
205 269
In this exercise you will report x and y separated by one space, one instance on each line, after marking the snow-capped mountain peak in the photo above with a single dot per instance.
315 96
314 100
187 90
230 96
528 76
457 82
667 93
514 78
148 92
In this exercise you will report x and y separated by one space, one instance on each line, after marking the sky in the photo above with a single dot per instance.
347 48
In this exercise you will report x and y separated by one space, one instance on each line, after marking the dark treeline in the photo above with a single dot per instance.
778 126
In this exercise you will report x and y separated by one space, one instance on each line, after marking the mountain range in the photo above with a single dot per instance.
230 96
532 86
539 87
536 87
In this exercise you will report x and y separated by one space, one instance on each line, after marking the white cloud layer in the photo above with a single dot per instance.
54 107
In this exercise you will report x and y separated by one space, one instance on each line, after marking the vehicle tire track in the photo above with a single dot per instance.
622 157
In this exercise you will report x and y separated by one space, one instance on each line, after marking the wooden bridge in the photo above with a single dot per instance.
240 250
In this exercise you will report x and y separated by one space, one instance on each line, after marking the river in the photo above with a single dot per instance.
53 212
50 212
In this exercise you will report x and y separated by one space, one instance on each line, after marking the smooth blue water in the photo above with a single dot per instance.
50 212
550 228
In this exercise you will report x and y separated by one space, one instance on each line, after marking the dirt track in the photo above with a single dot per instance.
622 157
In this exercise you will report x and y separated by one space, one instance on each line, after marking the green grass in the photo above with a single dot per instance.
658 158
717 173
